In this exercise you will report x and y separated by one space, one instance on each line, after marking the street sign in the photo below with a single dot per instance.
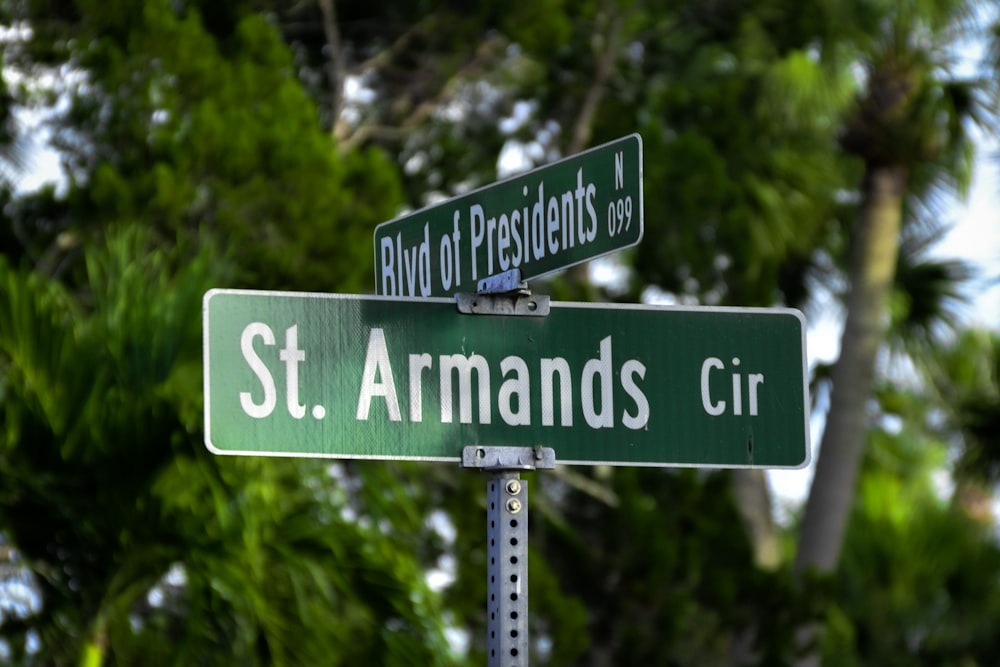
328 375
553 217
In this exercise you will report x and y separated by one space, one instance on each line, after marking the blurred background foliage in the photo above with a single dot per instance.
796 153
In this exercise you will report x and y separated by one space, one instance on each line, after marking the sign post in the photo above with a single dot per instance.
507 550
551 218
496 383
497 379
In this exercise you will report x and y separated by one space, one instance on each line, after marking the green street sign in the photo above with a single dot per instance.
553 217
328 375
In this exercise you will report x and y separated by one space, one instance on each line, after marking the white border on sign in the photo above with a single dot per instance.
449 300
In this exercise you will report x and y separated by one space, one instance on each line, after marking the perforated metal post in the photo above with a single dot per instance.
506 493
507 539
507 547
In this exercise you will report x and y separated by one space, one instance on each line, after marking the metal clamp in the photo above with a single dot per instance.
503 304
503 294
508 458
508 281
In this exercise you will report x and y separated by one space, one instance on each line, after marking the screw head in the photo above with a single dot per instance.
513 487
513 505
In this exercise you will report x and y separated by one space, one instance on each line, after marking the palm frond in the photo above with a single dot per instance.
928 298
967 378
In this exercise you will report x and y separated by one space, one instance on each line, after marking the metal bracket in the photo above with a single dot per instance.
503 304
503 294
508 458
508 281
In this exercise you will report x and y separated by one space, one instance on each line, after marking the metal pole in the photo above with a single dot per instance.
506 493
507 539
507 546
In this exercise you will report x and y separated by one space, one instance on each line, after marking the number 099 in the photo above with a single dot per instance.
619 216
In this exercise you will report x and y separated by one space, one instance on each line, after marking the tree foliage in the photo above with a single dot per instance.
198 132
908 128
108 490
913 556
256 143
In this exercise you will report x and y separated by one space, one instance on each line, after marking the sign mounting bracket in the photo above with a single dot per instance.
503 294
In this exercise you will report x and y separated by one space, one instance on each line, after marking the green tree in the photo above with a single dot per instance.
193 123
199 126
908 132
741 106
736 110
147 549
918 582
968 378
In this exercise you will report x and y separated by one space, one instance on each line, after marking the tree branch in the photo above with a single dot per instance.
605 61
336 70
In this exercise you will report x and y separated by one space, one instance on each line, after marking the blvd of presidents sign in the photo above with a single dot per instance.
326 375
561 214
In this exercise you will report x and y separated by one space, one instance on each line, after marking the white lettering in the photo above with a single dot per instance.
518 254
292 356
464 366
491 231
424 259
566 221
418 362
591 193
518 387
456 236
552 225
579 192
549 368
503 241
266 406
737 391
714 409
445 260
537 225
410 268
377 362
630 369
388 272
755 380
599 369
476 215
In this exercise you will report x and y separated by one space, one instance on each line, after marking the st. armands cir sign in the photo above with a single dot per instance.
327 375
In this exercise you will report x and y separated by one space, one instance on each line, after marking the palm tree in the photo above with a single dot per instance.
908 131
968 381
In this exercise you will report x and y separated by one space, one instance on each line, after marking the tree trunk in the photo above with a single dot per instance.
871 273
753 501
604 62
